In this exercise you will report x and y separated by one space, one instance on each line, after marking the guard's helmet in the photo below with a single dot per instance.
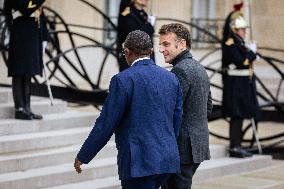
238 23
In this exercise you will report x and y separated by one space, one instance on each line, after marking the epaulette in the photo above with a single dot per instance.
230 42
126 11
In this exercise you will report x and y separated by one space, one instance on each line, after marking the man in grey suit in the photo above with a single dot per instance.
193 141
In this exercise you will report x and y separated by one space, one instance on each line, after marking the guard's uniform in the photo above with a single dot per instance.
131 19
239 88
25 50
239 93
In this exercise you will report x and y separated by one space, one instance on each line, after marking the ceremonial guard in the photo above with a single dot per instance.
132 17
239 87
24 18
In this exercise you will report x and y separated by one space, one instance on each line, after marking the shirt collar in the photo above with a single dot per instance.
139 59
184 54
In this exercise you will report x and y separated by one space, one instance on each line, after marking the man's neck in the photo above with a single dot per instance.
136 59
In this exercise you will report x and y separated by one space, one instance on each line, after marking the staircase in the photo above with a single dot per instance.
40 154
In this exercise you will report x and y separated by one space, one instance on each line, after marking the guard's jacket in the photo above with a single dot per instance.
239 88
131 19
26 36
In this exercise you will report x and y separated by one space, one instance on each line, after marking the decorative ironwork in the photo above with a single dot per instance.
202 40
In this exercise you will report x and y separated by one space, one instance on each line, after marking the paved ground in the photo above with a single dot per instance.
268 178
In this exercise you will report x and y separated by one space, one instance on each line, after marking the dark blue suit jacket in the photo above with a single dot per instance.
144 110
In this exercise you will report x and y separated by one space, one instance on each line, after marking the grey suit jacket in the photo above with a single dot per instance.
193 140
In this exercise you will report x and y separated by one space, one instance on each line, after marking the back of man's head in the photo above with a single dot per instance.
139 43
180 30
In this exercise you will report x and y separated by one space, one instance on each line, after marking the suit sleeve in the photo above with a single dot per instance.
178 112
106 123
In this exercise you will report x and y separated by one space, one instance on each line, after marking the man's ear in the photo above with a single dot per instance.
126 52
152 50
183 44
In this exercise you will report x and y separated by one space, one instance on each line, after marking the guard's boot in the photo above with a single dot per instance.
18 97
27 99
239 152
22 114
18 90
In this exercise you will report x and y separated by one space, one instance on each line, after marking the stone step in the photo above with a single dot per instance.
22 161
228 166
218 151
39 107
58 175
59 121
43 140
104 183
208 170
5 95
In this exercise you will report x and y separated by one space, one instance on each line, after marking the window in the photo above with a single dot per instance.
204 16
112 8
1 4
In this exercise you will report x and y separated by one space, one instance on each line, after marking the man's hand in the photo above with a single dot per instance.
77 165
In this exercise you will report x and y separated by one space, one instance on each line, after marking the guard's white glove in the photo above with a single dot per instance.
44 45
152 20
252 46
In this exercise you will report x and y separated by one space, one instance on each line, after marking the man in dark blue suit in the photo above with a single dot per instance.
144 110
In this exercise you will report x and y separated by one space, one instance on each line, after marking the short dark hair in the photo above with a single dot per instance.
180 30
139 42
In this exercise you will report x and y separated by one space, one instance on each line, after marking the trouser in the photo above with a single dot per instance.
236 132
184 179
149 182
21 87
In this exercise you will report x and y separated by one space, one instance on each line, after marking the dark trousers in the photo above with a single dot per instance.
21 87
184 179
149 182
236 132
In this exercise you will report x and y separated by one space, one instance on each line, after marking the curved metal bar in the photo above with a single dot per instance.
70 50
101 69
86 27
73 45
246 140
208 54
271 49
